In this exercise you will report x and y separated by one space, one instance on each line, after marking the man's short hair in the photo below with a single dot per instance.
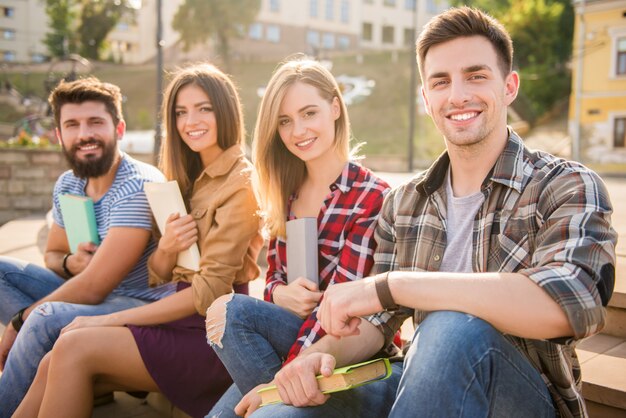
84 90
464 22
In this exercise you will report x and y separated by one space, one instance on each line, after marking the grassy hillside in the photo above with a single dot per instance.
381 120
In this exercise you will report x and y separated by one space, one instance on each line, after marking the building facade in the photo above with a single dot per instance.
22 31
282 27
597 114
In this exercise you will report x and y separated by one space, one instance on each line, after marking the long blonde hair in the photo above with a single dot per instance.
177 161
280 172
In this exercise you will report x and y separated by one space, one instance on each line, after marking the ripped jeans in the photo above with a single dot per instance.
255 339
21 285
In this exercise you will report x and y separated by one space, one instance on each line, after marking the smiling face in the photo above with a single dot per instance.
466 93
306 122
196 122
89 137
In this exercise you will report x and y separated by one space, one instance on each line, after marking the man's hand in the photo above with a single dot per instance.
8 338
79 261
345 303
297 382
251 401
299 297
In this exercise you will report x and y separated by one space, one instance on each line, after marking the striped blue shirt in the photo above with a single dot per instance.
124 205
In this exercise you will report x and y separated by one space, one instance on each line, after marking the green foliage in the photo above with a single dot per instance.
198 20
542 32
82 25
61 39
98 18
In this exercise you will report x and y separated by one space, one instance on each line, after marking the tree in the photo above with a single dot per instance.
197 20
93 19
61 39
97 19
542 32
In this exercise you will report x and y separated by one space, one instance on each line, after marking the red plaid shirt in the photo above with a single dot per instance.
345 225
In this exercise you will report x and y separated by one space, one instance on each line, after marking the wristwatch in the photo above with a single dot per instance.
17 321
64 265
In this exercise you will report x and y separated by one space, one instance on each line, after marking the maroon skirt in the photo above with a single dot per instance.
183 365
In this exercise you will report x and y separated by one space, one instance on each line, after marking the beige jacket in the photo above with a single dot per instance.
225 208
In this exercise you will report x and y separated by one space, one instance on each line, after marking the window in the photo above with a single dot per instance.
274 5
328 41
389 3
37 57
273 33
330 9
8 34
619 133
313 8
345 11
313 38
620 62
409 4
8 11
8 56
409 36
367 30
255 31
344 42
387 34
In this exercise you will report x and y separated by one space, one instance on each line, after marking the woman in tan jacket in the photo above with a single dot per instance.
161 346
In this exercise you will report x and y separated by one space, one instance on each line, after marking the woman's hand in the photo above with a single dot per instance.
300 296
90 321
180 233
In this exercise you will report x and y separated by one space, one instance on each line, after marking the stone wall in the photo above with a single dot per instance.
27 177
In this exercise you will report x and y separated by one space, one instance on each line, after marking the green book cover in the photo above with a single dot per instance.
79 218
344 378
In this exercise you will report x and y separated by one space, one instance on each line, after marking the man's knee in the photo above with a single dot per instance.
454 332
50 318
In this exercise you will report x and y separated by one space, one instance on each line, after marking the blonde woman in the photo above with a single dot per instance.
163 348
302 155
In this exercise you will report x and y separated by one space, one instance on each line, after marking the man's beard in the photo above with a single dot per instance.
92 166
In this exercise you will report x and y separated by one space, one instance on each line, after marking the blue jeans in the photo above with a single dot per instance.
21 285
457 366
257 337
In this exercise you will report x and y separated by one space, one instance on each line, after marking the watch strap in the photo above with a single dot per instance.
384 293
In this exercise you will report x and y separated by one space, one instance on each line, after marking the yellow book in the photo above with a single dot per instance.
344 378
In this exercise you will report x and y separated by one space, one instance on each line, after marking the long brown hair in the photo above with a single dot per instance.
177 161
280 172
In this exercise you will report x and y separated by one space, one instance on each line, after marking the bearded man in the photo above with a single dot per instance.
36 302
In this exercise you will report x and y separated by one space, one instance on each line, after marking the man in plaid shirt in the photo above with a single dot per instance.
504 256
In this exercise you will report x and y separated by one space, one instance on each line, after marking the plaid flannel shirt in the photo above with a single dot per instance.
345 225
543 217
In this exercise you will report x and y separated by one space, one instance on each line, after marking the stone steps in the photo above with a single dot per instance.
603 357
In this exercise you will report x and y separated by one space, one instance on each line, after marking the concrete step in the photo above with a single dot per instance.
603 364
616 311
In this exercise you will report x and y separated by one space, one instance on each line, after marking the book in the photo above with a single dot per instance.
165 199
79 218
344 378
302 249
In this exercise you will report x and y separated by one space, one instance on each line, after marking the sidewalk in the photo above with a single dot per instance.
25 238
